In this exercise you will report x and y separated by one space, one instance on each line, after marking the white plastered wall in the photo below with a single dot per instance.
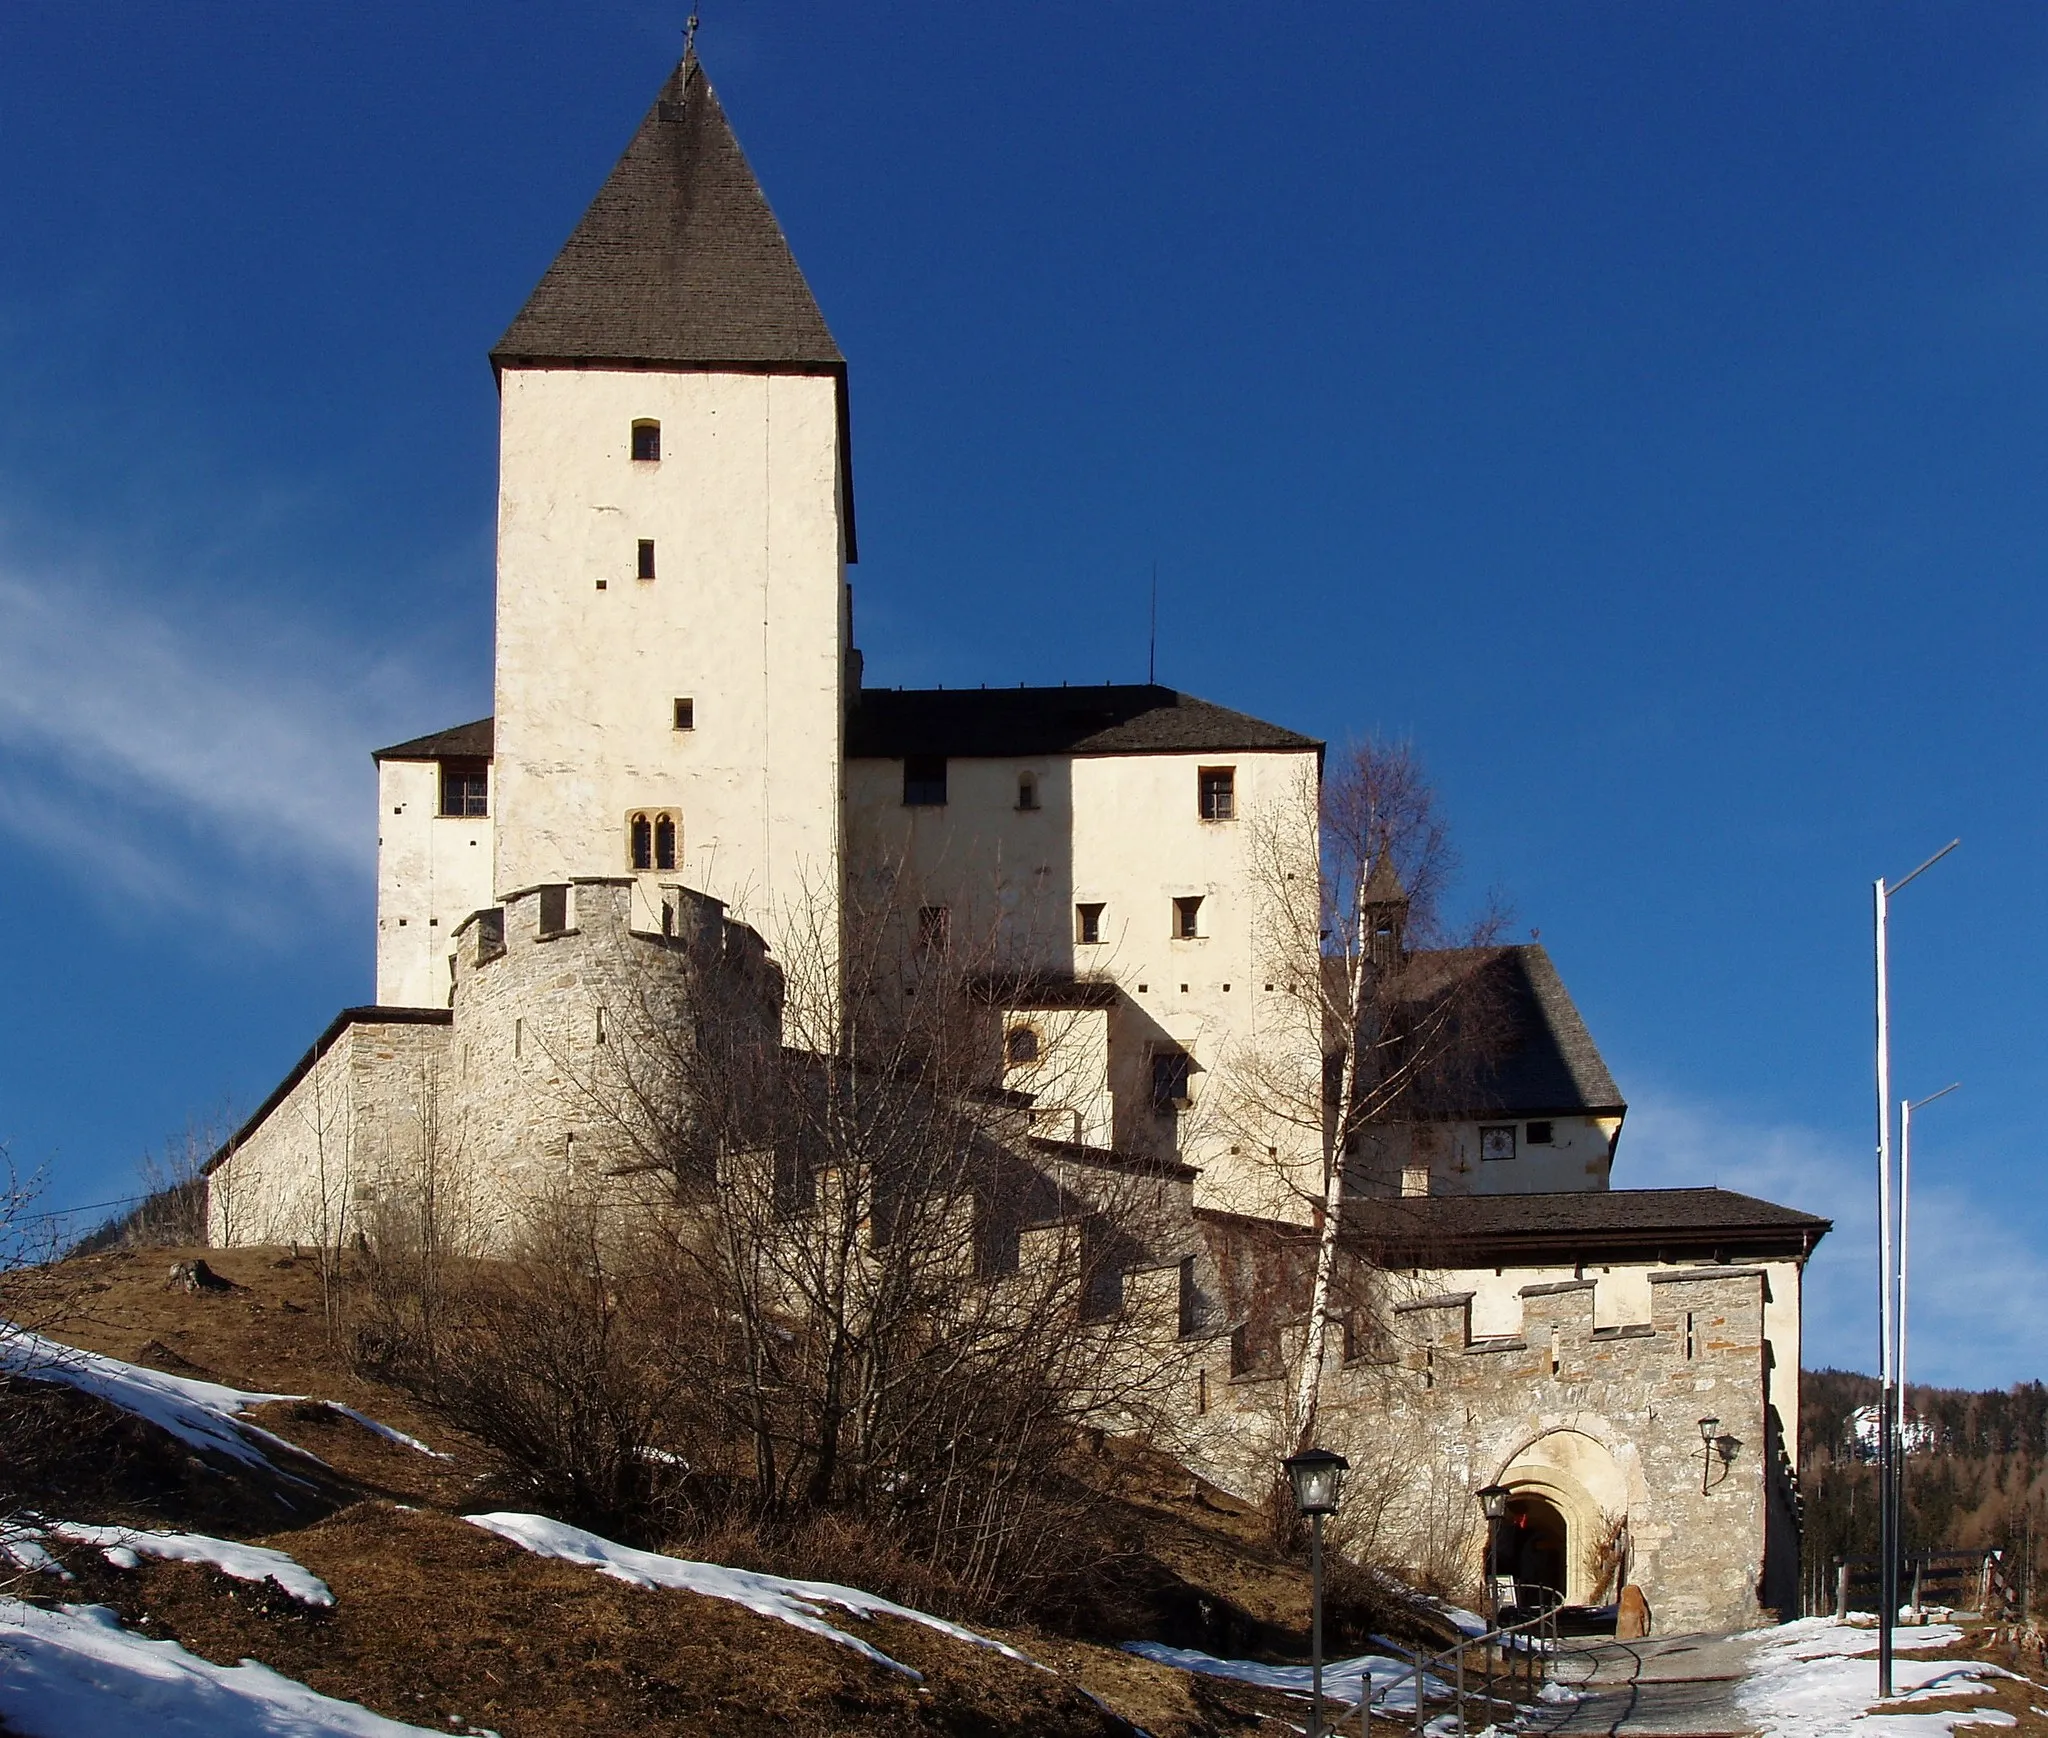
744 618
433 870
1124 832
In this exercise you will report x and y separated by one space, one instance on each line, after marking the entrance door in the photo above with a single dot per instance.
1534 1548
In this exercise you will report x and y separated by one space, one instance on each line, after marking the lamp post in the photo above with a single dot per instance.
1493 1503
1906 1109
1317 1476
1887 1287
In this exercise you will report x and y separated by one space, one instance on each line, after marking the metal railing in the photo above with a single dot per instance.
1514 1655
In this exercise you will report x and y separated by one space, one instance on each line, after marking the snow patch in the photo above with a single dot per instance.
384 1430
1817 1678
124 1548
203 1415
1343 1680
74 1672
792 1602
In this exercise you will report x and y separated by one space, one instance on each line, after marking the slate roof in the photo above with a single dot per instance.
678 260
1006 723
1538 1057
1617 1224
463 742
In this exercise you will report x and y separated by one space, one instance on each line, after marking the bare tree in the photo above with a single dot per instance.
1368 1032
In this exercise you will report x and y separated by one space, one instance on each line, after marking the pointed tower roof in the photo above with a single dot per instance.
1383 883
679 260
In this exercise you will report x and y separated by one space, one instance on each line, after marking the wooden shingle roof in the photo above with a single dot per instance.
678 261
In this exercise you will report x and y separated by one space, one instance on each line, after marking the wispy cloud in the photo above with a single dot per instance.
1980 1273
195 758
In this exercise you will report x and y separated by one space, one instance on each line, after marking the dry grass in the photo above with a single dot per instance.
437 1621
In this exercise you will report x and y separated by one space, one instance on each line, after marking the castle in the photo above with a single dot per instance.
683 764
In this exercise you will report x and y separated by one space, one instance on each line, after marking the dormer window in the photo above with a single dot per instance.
646 441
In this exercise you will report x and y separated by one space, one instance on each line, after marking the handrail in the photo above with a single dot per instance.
1541 1627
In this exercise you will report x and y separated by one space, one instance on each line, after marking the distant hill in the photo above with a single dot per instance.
1976 1467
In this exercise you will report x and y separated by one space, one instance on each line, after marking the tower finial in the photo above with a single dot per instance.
690 35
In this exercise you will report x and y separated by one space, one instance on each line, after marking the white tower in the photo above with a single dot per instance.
675 513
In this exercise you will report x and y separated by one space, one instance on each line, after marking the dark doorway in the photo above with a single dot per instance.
1533 1546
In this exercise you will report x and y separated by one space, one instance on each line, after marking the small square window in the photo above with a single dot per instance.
1088 925
646 567
1497 1143
1027 790
554 910
1187 918
1216 791
646 441
924 780
1538 1134
686 715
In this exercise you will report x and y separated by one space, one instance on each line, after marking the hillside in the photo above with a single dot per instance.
1976 1470
437 1622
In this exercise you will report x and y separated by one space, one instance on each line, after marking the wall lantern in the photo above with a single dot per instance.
1709 1429
1494 1501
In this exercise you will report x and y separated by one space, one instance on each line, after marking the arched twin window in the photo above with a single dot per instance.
651 839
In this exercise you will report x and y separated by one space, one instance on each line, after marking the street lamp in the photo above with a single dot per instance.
1493 1503
1317 1476
1709 1429
1887 1289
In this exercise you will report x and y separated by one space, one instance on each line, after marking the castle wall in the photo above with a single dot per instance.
433 870
744 618
313 1168
1602 1421
1447 1158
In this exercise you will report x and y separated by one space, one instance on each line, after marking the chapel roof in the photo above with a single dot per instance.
1003 723
462 742
679 259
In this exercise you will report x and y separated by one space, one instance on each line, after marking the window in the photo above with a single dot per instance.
646 570
1187 918
1170 1081
686 715
1692 1338
1497 1143
1027 790
1538 1134
647 440
934 928
1020 1046
651 840
465 787
1415 1179
1088 925
1216 792
924 780
554 910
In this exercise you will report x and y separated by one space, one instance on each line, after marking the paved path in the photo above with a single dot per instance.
1680 1686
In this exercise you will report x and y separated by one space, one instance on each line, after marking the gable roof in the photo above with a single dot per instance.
1005 723
1536 1056
679 259
463 742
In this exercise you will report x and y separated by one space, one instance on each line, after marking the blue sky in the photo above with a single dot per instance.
1645 409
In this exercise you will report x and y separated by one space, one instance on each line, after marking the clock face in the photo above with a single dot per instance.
1497 1143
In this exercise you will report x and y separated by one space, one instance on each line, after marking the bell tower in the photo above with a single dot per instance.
675 516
